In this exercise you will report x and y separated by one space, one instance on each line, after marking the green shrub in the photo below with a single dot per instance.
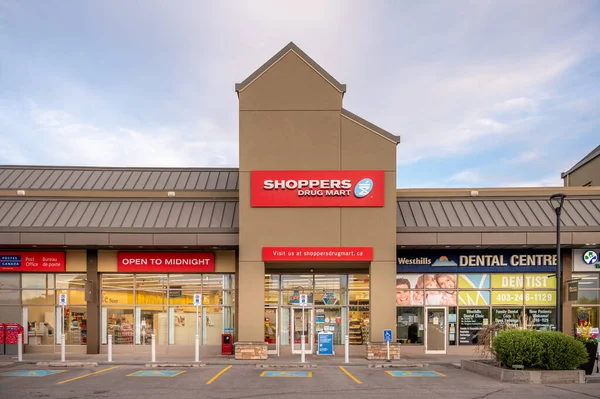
562 352
518 347
551 350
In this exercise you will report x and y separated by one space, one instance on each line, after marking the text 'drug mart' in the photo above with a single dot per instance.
156 373
415 374
286 374
31 373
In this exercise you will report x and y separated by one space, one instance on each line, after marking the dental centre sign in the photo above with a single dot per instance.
317 188
464 261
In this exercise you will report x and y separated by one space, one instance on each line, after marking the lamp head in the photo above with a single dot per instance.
557 200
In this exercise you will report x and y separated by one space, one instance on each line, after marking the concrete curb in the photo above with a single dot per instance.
545 377
67 364
250 363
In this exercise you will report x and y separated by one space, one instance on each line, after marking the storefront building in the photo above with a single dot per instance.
457 292
312 212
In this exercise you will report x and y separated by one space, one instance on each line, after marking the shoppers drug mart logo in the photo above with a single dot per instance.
330 188
363 188
590 257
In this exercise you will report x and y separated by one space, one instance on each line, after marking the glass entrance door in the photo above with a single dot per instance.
271 332
298 327
435 330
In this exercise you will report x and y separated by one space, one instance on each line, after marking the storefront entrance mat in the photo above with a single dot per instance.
415 373
31 373
156 373
286 374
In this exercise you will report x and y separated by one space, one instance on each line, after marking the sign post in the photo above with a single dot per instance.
62 301
197 304
303 301
387 338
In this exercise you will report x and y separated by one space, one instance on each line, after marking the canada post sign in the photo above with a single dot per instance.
317 188
465 261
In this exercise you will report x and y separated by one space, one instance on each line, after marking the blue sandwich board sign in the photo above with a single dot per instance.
325 343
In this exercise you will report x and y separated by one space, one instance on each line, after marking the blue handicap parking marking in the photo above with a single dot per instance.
286 374
417 373
156 373
31 373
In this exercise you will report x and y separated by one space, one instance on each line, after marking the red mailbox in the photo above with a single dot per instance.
226 344
1 338
11 337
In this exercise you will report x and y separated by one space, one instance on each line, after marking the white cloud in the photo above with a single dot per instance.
467 176
66 138
527 156
520 103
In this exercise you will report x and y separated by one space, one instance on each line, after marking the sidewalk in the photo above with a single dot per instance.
314 360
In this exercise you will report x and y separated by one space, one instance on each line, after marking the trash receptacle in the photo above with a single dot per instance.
1 338
226 344
11 338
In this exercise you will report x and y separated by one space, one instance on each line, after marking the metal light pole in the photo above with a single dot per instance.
556 201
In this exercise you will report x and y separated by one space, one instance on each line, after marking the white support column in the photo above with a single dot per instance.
153 347
110 347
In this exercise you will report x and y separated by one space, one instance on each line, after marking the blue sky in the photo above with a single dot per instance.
483 93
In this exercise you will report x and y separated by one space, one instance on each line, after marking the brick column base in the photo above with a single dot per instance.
378 351
250 350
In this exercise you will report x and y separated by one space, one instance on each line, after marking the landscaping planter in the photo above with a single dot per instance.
592 348
488 369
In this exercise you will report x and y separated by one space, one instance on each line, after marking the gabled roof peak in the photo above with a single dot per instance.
291 46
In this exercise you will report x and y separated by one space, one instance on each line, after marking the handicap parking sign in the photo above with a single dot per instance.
62 299
387 335
197 299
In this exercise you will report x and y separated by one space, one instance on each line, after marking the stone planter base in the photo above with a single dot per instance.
250 350
378 351
524 376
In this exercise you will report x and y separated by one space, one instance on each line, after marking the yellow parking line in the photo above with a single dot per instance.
350 375
87 375
218 374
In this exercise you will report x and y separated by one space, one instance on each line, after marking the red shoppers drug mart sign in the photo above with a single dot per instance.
317 188
41 262
311 254
179 262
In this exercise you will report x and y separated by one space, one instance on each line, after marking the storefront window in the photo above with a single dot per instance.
541 318
330 320
41 322
330 297
34 280
358 282
330 282
470 321
358 297
70 281
272 282
297 282
120 324
588 292
38 297
409 328
162 305
513 316
582 314
9 281
9 297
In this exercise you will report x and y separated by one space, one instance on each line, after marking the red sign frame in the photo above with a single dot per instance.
317 254
317 188
37 262
158 261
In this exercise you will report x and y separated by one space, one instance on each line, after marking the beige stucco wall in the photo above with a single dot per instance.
76 260
590 172
290 119
290 84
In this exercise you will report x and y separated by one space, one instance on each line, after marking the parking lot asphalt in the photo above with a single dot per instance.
30 381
